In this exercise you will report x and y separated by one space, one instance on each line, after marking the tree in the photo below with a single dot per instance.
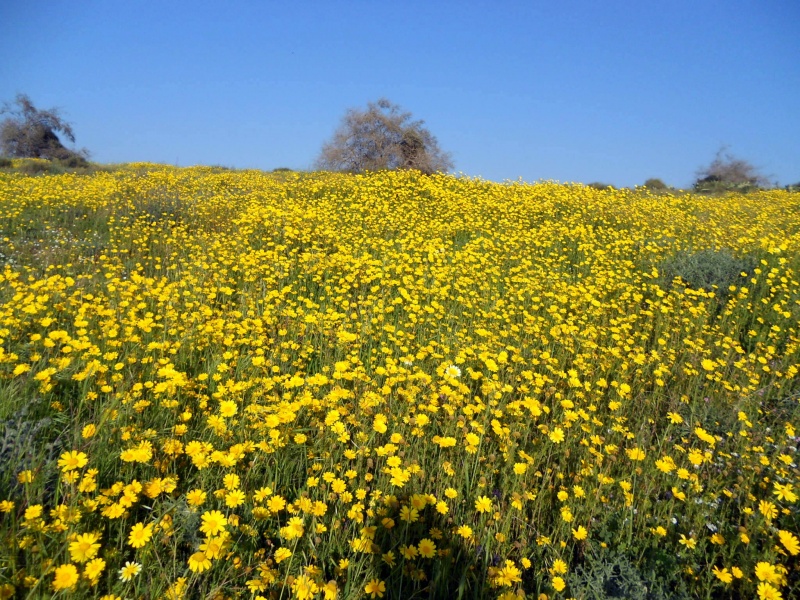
727 172
32 133
654 183
382 137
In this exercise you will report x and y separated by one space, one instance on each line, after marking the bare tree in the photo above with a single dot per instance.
729 172
32 133
382 137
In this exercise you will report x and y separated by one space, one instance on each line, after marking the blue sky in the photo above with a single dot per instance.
584 91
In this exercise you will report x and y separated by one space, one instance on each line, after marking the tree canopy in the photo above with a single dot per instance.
382 137
32 133
726 172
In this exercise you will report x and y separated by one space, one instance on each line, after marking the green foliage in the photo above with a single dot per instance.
708 270
41 166
28 441
597 185
715 186
609 574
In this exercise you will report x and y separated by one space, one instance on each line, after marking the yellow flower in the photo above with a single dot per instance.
33 512
304 588
785 492
559 567
409 515
72 460
635 454
465 531
375 588
199 562
213 522
483 504
195 497
293 529
140 534
330 590
767 572
282 554
790 542
231 481
722 574
427 548
580 533
129 571
768 592
228 408
234 498
674 418
66 577
94 568
276 504
558 584
508 575
767 509
84 547
557 435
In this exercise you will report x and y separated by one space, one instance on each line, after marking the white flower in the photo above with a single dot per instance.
129 571
453 371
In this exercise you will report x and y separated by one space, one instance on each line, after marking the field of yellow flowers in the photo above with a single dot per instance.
219 384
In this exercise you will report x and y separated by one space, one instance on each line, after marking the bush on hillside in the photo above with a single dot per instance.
382 137
727 173
655 184
29 132
708 270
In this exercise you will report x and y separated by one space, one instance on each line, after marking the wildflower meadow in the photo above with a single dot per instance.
232 384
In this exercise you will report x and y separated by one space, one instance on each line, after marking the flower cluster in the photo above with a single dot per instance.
334 386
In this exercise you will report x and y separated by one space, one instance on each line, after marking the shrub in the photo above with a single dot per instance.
597 185
32 133
707 269
382 137
614 575
655 184
38 166
727 173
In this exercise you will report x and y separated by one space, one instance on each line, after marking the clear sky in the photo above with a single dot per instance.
585 90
